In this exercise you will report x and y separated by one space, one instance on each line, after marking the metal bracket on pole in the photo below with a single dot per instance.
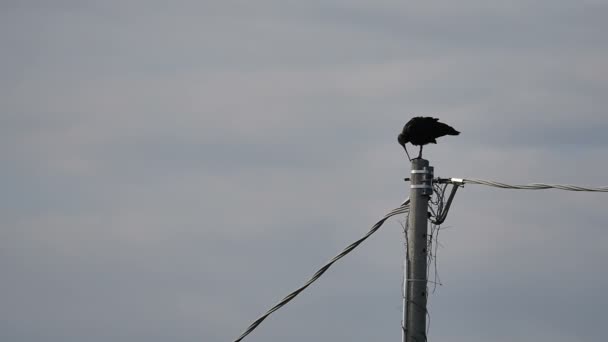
426 180
425 170
421 186
455 181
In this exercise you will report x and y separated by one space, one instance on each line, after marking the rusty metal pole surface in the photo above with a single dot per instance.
416 281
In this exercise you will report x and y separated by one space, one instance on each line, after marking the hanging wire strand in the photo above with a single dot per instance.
404 208
533 186
443 207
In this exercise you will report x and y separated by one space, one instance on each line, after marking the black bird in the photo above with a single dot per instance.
423 130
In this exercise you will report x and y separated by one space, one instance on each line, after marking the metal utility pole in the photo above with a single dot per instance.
414 303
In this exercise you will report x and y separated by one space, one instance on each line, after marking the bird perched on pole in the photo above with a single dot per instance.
423 130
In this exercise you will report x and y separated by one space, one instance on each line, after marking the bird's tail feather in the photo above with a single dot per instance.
446 129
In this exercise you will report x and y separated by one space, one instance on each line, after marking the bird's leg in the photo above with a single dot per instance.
407 154
420 153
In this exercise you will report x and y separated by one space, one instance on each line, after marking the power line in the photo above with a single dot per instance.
533 186
404 208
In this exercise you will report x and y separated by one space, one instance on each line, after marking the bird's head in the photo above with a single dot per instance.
403 139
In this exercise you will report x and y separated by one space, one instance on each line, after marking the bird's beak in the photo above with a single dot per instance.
407 154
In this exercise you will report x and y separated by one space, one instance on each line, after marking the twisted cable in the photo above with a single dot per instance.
404 208
533 186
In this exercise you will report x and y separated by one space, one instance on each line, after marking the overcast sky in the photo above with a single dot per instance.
170 170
